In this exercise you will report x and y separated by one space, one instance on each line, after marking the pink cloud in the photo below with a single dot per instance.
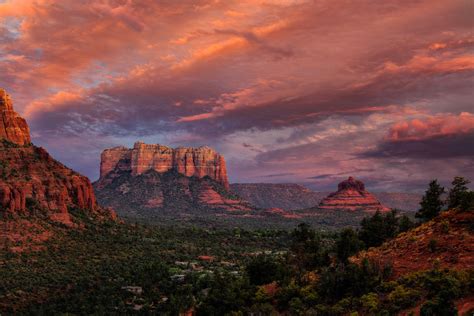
219 69
439 125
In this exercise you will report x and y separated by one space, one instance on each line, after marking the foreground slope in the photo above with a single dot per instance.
447 241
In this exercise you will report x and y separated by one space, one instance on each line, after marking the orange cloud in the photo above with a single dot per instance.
231 45
53 102
259 94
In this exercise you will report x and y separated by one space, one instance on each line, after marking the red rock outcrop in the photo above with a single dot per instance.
352 196
12 127
31 178
154 193
209 196
198 162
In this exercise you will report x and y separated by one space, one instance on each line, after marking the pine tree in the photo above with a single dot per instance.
458 192
431 203
348 244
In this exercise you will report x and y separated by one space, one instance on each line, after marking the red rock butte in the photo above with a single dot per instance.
351 196
28 174
198 162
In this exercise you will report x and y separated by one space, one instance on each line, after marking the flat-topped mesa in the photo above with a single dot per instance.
12 127
198 162
351 196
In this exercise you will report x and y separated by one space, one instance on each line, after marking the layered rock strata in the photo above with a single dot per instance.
191 162
351 196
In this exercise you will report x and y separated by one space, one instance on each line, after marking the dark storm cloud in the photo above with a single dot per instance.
450 146
278 175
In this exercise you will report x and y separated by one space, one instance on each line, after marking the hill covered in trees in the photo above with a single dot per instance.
112 267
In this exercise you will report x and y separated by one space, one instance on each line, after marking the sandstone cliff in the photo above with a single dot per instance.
156 181
31 179
12 127
351 196
191 162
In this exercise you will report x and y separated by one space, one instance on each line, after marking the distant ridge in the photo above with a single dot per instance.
291 196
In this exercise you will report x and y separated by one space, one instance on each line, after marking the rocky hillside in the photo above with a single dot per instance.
30 176
31 181
155 180
286 196
447 241
192 162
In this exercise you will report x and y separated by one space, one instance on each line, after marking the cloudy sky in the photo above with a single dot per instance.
306 91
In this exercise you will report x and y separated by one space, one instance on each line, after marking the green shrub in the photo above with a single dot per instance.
445 227
433 245
370 302
439 307
402 297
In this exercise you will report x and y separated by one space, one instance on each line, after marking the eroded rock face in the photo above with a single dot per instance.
351 195
12 127
31 178
154 193
191 162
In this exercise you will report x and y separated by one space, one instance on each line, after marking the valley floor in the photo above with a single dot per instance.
127 268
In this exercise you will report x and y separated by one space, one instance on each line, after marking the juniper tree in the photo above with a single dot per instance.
458 192
431 203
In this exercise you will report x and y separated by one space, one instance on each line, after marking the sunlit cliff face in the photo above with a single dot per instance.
288 90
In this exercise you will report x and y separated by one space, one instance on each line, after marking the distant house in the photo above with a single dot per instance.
227 264
206 258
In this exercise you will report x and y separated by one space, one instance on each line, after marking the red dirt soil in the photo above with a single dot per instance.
446 241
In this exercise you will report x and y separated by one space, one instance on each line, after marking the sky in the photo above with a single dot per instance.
302 91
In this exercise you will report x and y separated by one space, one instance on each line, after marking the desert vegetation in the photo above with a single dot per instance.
113 267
